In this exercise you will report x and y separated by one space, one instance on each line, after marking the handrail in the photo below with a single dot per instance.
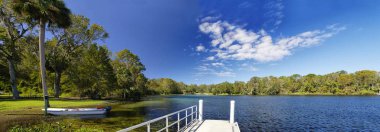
147 123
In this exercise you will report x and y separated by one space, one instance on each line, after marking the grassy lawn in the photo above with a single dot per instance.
9 105
26 111
26 115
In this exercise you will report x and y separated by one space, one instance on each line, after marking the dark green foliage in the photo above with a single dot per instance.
63 47
129 73
47 11
364 82
93 73
12 30
166 86
4 78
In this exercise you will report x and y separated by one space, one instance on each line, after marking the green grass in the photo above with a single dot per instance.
9 105
26 115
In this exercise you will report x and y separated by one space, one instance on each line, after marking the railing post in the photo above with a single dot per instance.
167 124
232 112
186 118
178 121
148 127
192 114
196 112
200 110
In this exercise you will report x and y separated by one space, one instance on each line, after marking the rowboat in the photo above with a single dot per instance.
78 111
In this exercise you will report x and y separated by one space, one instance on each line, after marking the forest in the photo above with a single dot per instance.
79 64
364 82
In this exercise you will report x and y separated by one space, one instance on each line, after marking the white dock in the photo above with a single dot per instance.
193 121
213 126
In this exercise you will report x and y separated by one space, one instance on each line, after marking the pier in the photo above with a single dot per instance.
189 120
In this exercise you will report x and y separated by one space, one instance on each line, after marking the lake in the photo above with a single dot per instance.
260 113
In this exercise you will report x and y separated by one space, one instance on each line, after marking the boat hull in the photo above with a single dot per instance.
80 111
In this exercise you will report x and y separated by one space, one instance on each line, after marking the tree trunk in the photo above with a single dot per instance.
57 84
42 63
12 75
125 94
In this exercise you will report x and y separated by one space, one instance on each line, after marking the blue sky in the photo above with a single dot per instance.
211 41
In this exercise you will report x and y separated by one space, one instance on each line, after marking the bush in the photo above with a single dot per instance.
367 92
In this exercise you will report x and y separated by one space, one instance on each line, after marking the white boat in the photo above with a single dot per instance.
78 111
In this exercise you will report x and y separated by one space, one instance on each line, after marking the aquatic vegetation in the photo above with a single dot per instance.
60 126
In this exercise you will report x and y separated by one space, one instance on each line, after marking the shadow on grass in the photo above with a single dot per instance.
24 114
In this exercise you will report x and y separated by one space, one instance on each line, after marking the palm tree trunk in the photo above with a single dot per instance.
12 75
42 63
57 86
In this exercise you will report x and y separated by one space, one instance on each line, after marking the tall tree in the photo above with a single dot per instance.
65 44
93 73
45 12
129 73
29 78
4 79
12 30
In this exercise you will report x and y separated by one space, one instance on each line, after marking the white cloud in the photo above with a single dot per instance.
210 18
215 69
253 69
225 74
217 64
273 64
200 48
232 42
203 68
247 67
210 58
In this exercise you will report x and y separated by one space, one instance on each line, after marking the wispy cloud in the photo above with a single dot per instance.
245 4
214 69
232 42
248 67
209 18
210 58
225 74
217 64
200 48
274 14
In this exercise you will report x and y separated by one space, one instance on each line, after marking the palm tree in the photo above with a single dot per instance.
51 12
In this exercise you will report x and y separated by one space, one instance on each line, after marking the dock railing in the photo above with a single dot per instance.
193 114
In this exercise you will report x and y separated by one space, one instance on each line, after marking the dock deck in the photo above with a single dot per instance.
213 126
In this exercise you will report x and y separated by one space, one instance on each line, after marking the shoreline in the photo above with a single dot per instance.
294 94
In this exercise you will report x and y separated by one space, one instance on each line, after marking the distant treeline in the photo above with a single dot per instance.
365 82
